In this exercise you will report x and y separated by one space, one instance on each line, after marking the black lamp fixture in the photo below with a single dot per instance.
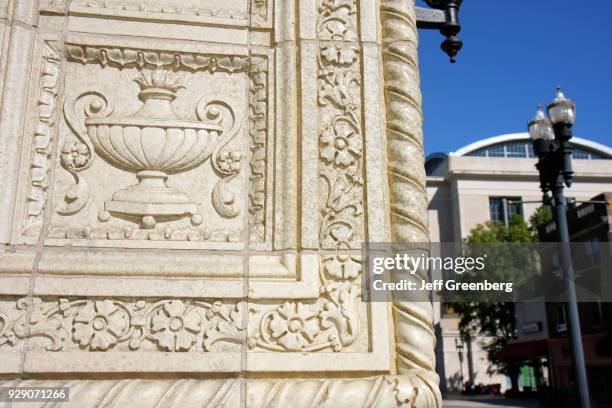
443 16
550 136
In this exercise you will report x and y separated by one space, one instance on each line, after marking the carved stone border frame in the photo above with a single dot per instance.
416 383
88 267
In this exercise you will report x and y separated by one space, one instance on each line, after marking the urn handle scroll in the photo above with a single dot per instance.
227 163
77 155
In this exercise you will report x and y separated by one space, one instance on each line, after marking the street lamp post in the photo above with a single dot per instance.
459 347
551 144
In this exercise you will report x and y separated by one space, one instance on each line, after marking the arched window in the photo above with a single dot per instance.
524 149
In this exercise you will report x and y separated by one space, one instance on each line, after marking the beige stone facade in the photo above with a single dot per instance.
184 189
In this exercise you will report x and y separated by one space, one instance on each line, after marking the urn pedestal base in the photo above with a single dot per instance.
152 200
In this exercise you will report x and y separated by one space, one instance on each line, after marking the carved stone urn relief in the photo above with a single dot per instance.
153 143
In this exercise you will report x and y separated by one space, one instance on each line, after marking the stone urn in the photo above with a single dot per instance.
154 143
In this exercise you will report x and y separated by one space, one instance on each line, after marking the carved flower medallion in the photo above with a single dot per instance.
175 326
229 162
294 326
99 325
340 144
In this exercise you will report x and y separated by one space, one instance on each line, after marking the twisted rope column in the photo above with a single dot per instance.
373 392
414 336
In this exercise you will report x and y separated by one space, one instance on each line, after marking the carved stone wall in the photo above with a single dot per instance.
185 187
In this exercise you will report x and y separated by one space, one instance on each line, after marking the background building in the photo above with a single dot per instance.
590 228
490 180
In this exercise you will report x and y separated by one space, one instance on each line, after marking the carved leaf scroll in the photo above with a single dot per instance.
77 155
222 109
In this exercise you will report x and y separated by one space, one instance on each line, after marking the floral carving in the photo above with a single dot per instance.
77 154
179 325
175 325
226 324
340 136
340 144
342 266
340 150
229 162
294 326
332 322
223 110
39 319
107 324
334 54
337 20
99 325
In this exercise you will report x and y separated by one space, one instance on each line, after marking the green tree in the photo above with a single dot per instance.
505 263
541 216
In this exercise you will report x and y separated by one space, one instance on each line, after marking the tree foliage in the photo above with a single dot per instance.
509 262
541 216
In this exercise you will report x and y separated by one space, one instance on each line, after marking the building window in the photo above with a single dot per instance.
561 314
554 262
503 208
523 149
497 151
592 252
516 149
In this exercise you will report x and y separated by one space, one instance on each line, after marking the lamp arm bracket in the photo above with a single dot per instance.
444 16
430 18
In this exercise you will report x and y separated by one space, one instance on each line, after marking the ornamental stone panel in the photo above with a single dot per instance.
184 190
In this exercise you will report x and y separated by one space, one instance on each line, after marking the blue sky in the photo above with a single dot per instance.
514 55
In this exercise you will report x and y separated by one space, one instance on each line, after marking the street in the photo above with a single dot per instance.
487 401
